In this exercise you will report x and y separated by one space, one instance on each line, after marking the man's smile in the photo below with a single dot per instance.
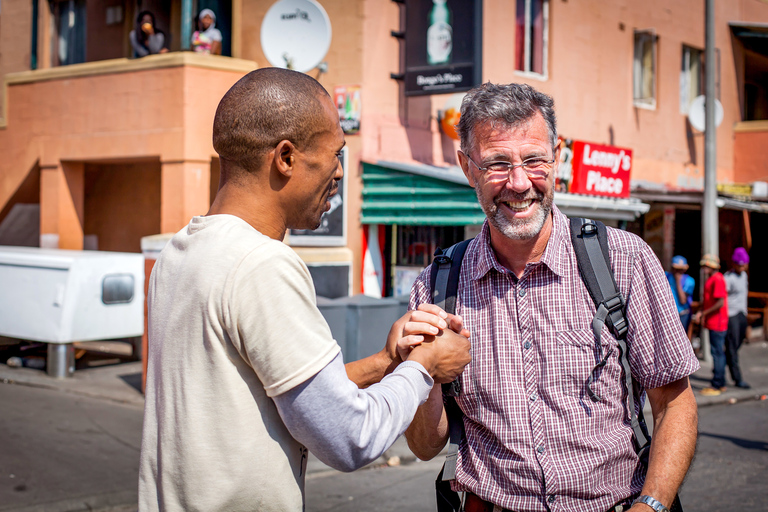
518 206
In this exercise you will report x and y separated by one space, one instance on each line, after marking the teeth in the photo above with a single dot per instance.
518 205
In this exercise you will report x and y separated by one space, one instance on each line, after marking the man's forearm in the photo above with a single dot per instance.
346 427
428 432
674 441
371 369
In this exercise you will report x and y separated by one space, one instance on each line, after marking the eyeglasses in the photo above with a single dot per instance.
536 168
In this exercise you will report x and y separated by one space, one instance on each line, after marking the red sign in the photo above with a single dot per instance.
600 170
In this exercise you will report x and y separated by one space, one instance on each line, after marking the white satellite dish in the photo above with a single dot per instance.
697 115
296 34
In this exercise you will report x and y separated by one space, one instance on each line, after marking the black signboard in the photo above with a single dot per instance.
443 46
332 231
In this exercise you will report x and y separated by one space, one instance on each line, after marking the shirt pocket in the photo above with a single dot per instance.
468 399
578 357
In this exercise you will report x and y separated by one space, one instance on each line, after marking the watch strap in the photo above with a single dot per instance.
651 502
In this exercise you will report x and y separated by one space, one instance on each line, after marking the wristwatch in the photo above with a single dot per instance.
651 502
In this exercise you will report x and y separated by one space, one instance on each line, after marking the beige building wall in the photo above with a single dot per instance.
114 112
589 75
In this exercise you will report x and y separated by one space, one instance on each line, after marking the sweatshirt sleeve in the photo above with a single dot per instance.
347 427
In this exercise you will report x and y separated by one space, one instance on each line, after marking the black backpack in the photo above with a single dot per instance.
590 243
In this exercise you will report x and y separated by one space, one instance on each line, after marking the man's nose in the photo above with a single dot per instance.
518 181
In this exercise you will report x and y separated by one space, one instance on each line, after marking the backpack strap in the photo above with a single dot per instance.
445 275
444 281
590 243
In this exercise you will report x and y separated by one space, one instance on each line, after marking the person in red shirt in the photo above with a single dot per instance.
714 317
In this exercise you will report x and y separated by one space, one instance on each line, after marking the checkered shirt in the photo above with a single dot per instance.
534 440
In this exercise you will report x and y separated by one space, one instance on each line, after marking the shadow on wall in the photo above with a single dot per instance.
20 215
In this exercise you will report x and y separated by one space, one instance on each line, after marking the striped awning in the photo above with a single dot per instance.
418 194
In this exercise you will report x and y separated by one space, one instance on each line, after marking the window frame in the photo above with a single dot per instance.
544 75
644 102
685 75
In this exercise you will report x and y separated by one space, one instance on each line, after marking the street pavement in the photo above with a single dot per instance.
73 444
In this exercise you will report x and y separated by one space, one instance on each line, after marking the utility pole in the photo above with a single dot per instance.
710 239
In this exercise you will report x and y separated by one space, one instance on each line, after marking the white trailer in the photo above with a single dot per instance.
59 296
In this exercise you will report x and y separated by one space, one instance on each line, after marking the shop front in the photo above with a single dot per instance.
411 209
673 225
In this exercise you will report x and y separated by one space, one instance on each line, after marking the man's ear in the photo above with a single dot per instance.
284 158
464 163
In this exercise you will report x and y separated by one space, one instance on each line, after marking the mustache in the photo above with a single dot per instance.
532 194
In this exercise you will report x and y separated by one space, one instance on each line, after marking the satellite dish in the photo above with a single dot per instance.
697 115
296 34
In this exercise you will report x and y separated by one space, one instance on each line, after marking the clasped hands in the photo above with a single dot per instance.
435 339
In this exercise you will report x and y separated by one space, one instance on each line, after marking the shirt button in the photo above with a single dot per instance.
522 292
551 498
533 397
540 449
527 345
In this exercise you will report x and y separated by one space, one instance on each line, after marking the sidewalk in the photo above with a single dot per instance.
753 361
120 383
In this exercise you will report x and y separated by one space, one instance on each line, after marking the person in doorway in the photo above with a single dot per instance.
714 317
244 375
682 286
737 285
207 38
146 38
533 439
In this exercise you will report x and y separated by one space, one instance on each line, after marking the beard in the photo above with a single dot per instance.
515 228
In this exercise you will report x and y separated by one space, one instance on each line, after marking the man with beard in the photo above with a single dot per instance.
243 370
533 438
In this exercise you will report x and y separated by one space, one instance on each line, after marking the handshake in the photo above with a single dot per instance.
433 338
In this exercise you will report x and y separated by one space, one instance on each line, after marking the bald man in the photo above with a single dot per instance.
244 374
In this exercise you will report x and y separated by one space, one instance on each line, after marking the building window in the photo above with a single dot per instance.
68 41
691 77
644 70
532 36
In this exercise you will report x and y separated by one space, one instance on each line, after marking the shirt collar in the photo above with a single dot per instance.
555 255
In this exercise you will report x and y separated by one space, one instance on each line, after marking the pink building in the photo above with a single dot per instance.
100 149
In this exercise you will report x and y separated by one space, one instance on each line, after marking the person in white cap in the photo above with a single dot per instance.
207 39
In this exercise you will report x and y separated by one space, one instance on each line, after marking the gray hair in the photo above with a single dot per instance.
509 105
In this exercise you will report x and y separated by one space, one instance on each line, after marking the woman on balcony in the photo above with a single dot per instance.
207 38
146 39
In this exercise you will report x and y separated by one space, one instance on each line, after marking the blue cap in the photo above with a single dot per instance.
679 262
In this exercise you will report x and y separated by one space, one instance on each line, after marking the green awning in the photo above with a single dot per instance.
417 195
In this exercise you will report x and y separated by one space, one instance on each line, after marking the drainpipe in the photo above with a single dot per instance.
186 24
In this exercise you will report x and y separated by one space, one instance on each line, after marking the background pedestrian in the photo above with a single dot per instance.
737 285
682 289
714 316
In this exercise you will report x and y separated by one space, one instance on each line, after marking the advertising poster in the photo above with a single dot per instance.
347 99
333 225
600 170
442 46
